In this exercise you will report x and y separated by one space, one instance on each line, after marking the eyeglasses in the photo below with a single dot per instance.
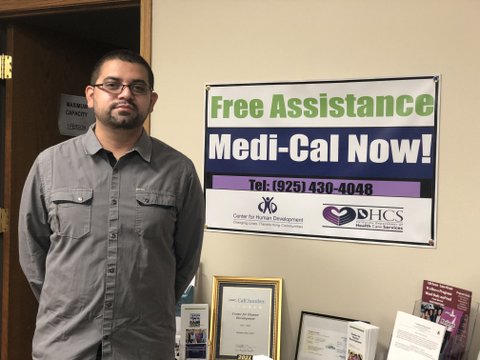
116 88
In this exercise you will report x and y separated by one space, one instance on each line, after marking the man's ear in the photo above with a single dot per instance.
89 95
153 100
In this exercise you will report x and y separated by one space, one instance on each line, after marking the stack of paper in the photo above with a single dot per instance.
361 341
415 338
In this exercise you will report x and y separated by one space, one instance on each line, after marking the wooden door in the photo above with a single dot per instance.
46 63
45 66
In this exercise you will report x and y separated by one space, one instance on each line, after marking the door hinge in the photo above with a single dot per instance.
4 220
5 67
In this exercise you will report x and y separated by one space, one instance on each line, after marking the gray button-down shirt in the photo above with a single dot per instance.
109 250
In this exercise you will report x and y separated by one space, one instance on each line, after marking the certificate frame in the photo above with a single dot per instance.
232 334
319 325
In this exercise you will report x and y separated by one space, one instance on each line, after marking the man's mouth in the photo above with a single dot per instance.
124 106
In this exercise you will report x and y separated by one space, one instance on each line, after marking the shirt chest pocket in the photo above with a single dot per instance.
73 211
155 213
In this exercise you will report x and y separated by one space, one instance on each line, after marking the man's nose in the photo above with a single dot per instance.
126 92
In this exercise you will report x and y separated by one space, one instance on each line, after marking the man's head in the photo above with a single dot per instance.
121 90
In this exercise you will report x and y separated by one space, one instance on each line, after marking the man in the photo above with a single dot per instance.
111 226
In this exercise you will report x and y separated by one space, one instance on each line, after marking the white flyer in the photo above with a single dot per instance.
415 338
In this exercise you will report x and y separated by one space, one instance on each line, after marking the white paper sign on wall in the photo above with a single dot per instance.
74 116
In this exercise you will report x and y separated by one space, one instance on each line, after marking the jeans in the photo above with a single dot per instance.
99 352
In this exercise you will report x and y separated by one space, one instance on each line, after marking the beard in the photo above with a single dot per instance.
122 119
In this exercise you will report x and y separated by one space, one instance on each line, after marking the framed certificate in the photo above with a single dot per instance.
246 317
321 337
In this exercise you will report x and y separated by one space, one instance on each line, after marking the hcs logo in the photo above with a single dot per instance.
344 215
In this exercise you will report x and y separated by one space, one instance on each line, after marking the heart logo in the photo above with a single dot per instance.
340 216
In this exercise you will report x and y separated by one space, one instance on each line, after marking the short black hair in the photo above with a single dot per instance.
123 55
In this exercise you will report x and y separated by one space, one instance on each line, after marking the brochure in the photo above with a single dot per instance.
361 341
194 331
448 306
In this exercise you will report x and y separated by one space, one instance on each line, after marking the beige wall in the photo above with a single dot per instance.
210 41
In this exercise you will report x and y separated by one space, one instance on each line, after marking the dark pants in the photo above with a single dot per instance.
99 352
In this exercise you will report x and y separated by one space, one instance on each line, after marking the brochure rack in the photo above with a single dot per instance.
474 315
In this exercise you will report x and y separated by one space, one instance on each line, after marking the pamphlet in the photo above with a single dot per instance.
414 338
361 341
194 332
448 306
186 298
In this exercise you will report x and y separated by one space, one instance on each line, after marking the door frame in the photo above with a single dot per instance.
15 8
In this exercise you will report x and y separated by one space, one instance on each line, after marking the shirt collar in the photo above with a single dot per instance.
144 146
92 146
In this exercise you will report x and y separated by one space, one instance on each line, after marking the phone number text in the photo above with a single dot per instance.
315 187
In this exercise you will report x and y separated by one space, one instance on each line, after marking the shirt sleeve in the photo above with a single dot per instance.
189 234
33 230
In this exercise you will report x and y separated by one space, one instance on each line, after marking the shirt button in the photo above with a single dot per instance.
80 198
147 201
114 202
106 337
108 305
113 236
111 270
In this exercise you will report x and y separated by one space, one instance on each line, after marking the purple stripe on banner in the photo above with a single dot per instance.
318 186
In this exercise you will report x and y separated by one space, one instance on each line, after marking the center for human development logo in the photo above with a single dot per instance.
266 215
365 217
267 205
